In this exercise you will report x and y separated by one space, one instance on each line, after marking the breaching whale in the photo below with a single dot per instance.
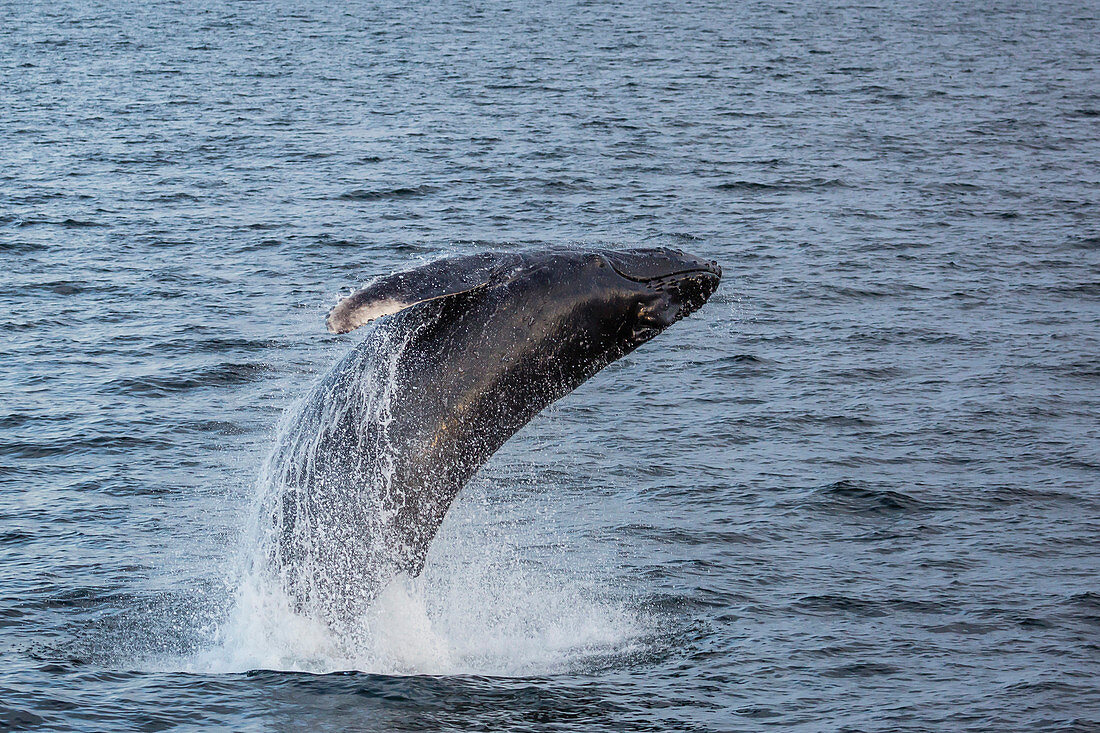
467 351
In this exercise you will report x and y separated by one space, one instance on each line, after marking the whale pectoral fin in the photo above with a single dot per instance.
394 293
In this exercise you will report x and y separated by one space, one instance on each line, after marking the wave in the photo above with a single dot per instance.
402 192
809 184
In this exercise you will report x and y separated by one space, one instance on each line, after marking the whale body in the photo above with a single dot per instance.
466 351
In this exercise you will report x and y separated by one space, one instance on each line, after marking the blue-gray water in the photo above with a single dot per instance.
859 490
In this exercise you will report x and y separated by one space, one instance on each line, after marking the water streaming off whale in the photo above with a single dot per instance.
319 587
325 523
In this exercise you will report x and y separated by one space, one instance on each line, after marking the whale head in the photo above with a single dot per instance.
661 286
581 310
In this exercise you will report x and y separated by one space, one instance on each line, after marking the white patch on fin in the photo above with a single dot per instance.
401 290
349 314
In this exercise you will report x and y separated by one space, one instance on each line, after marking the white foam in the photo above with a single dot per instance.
477 609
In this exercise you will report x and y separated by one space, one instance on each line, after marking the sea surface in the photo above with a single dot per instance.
857 491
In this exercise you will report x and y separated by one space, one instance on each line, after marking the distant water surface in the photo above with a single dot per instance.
860 490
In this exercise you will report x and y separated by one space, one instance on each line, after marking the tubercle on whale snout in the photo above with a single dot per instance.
673 299
692 289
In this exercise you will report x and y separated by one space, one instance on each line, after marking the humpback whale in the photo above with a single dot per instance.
466 351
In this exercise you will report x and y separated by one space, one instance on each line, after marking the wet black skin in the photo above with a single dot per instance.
480 364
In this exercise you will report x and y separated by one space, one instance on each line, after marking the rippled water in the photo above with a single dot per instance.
859 490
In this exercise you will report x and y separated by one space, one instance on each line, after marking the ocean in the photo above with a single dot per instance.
859 490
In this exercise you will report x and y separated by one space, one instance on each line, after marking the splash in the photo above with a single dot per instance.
324 520
317 589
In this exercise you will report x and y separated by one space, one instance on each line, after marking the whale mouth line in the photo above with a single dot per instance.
679 274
